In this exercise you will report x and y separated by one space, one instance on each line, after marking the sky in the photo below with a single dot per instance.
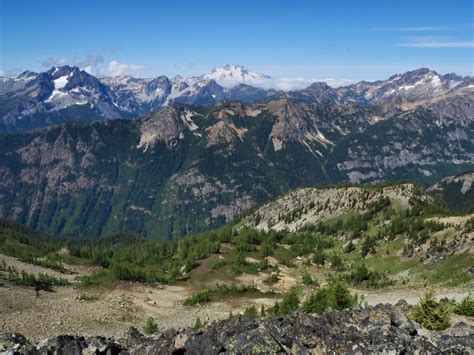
335 40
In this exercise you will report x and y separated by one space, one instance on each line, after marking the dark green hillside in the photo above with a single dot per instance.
186 169
393 235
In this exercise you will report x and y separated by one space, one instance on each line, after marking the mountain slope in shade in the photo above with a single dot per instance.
184 168
457 191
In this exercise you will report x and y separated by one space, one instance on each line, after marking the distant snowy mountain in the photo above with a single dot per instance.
232 75
420 84
139 96
65 93
60 94
8 84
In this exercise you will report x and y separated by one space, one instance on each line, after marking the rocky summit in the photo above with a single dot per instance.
380 329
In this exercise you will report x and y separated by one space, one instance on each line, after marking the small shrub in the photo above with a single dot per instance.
290 302
431 314
334 295
198 323
272 279
373 279
319 257
87 298
199 297
251 312
7 345
307 280
337 263
465 307
150 326
221 291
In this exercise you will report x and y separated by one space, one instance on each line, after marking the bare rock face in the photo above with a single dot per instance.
466 182
164 125
373 330
457 191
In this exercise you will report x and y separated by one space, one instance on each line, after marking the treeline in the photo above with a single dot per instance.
130 257
26 279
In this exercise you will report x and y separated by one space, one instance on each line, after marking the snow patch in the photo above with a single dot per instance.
61 82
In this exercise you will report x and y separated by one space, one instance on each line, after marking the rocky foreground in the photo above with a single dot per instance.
379 329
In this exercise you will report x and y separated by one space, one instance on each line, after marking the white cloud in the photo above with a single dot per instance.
437 43
94 65
287 83
117 69
297 83
91 63
53 62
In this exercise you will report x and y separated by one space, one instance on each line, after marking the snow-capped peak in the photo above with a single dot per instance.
231 75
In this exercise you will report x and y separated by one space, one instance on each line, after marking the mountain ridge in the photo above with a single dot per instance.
32 100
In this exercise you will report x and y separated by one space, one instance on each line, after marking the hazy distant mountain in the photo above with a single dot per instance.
34 100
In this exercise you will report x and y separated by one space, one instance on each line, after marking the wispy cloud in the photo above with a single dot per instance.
193 64
297 83
95 64
58 61
118 69
411 29
90 63
436 42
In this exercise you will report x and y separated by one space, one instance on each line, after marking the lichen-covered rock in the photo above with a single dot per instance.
380 329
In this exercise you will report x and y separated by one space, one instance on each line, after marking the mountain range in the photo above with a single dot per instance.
35 100
186 168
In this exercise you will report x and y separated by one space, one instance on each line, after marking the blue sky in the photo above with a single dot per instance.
335 39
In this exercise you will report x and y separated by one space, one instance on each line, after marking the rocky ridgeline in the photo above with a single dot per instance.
379 329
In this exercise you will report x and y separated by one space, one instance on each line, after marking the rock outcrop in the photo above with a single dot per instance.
380 329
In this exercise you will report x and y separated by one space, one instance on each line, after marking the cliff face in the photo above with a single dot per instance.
184 169
379 329
457 191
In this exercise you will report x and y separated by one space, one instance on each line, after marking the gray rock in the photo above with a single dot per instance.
380 329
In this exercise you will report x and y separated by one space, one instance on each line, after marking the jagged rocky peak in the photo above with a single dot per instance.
414 85
68 78
164 125
290 123
27 75
318 92
466 86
